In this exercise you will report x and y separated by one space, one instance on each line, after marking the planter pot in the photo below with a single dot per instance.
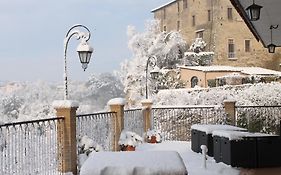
128 148
152 139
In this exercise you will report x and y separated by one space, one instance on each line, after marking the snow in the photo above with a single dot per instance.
136 162
65 104
147 101
164 5
117 101
237 135
209 129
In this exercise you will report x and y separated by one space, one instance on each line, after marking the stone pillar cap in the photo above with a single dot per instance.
117 101
65 104
147 101
230 100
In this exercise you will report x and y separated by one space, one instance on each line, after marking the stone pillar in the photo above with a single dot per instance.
117 105
147 106
229 106
67 135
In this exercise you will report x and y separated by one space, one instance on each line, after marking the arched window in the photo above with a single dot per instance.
194 81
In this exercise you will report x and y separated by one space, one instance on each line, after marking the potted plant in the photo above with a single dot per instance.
153 136
129 140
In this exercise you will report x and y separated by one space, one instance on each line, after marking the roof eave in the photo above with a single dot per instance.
239 8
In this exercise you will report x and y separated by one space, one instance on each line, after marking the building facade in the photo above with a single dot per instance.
221 27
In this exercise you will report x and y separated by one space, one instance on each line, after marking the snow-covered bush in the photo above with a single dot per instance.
198 56
128 138
86 146
156 133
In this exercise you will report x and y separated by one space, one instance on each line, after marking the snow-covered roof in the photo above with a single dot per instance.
244 70
164 5
259 71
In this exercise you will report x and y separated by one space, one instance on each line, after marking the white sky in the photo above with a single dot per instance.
32 34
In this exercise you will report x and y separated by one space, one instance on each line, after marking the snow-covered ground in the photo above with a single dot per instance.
192 161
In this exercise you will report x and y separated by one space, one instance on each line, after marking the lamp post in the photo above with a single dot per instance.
271 46
153 73
84 50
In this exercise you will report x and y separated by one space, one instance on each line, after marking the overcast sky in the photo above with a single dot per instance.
32 34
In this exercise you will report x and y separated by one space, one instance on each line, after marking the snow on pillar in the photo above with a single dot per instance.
67 135
229 106
146 104
117 105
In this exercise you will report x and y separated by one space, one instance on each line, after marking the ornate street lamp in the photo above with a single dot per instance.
254 11
271 46
154 73
84 50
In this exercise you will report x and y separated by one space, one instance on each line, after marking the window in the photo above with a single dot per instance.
178 25
194 81
165 28
184 4
164 13
193 20
247 46
231 52
199 34
178 4
209 15
229 13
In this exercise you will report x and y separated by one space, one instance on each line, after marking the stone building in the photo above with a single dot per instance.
221 27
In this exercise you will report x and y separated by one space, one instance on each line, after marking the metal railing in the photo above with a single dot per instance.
30 147
264 119
133 121
175 122
98 126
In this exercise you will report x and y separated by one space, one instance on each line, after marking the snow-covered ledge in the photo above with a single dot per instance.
147 101
57 104
229 101
116 101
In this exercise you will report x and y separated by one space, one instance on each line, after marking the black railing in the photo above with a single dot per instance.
99 127
133 121
264 119
30 147
175 122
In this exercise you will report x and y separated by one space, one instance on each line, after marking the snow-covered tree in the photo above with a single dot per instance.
21 101
198 56
167 48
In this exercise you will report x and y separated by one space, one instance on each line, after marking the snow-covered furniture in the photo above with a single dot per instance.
201 134
137 163
247 150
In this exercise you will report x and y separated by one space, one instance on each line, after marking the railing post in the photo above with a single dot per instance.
67 135
229 106
147 106
117 105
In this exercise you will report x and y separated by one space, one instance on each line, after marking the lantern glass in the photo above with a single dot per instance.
155 72
84 52
271 48
254 12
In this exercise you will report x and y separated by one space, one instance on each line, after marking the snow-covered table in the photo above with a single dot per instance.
136 162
